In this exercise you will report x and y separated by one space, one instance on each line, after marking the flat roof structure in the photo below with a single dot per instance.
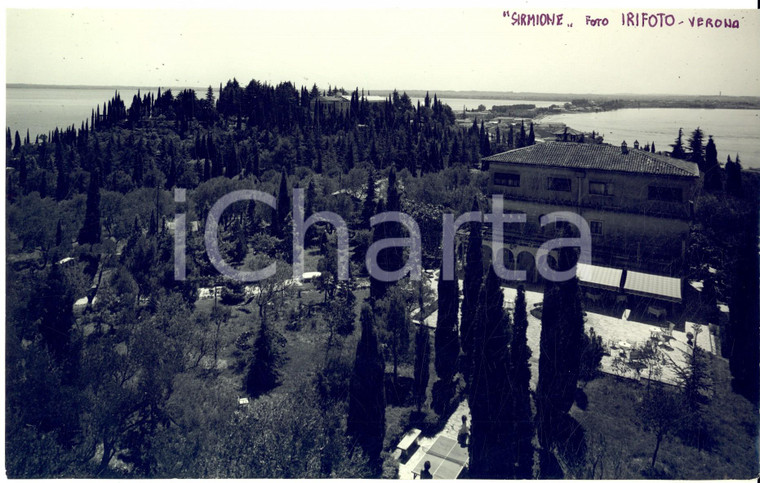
655 286
597 276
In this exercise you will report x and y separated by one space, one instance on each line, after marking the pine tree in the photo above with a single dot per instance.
561 343
520 382
678 151
366 398
421 365
446 331
90 232
713 180
697 149
490 396
473 278
263 374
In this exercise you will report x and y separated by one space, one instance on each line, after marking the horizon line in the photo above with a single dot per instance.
463 93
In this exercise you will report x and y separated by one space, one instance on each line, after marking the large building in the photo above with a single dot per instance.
638 204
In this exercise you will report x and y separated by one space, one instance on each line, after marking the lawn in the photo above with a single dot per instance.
621 448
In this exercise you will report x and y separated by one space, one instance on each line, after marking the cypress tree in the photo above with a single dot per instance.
17 145
713 180
8 138
421 365
397 326
733 176
455 155
57 300
678 151
561 343
368 209
90 232
520 381
283 206
23 173
653 150
392 258
263 374
446 331
58 233
743 333
510 137
171 179
62 179
206 170
491 441
473 278
532 136
522 138
366 401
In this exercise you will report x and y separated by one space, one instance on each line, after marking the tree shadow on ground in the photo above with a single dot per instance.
398 393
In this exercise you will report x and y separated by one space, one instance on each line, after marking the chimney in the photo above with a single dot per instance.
636 144
624 148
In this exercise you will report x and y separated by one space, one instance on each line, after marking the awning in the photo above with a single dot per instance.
602 277
655 286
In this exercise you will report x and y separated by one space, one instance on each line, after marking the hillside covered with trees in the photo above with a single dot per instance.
118 367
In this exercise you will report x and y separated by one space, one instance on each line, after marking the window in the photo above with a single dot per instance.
558 184
506 179
664 193
599 188
596 227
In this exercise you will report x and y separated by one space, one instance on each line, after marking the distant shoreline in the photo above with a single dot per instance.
754 101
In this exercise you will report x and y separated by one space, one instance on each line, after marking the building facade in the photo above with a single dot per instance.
638 204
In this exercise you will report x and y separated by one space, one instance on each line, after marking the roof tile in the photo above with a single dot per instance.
596 156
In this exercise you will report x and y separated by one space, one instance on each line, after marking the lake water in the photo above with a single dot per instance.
733 130
41 110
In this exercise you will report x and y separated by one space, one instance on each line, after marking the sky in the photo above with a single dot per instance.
421 48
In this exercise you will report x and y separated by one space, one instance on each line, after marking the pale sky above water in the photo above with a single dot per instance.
445 48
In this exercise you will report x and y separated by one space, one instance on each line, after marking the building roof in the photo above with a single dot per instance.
570 131
595 156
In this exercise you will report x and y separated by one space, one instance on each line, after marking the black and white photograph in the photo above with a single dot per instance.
283 240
